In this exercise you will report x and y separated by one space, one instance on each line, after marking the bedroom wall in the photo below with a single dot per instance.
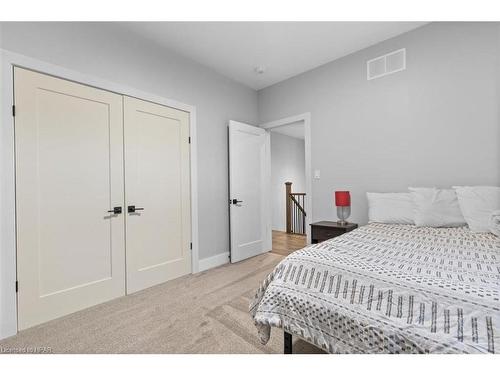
287 165
434 124
113 54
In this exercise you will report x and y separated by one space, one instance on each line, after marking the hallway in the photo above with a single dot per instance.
285 243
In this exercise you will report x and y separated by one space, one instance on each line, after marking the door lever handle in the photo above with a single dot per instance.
236 201
116 210
132 209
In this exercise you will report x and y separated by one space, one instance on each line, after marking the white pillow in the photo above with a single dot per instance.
390 208
477 204
436 207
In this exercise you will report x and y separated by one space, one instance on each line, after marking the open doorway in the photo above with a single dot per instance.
290 185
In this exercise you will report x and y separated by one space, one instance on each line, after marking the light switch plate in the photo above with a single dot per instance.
317 174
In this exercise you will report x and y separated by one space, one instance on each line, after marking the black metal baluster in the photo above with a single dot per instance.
301 214
296 216
304 217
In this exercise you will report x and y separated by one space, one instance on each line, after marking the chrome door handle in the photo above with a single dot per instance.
132 209
116 210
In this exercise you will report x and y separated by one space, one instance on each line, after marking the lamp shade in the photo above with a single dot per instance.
342 198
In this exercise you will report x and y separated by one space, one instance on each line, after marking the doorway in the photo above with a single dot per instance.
288 180
298 128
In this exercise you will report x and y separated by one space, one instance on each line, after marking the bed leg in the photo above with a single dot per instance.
287 348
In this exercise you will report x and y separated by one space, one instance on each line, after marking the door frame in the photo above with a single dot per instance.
8 250
306 118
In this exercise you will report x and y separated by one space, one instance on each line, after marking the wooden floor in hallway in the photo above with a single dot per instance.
286 243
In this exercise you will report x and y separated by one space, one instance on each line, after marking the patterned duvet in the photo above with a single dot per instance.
388 289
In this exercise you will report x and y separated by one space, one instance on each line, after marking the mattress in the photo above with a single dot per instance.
388 289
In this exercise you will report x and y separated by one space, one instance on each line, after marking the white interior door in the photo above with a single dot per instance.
69 173
157 176
249 190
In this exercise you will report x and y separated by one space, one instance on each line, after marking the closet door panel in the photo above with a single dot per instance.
156 180
69 173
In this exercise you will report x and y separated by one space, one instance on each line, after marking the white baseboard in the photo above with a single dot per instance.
215 261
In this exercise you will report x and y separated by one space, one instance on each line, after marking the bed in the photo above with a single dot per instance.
387 289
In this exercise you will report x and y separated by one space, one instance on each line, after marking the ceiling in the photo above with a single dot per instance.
295 129
282 49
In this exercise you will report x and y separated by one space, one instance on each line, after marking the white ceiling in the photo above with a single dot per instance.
295 129
284 49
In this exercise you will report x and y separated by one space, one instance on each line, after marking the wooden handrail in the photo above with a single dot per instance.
295 211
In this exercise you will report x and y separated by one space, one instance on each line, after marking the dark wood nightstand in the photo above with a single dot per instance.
324 230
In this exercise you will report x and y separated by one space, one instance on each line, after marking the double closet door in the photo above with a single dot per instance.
102 195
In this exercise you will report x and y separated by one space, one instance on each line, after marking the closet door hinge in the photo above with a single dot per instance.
13 111
17 286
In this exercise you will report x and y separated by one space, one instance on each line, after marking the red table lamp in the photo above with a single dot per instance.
343 203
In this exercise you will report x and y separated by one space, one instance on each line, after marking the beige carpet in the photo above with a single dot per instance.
202 313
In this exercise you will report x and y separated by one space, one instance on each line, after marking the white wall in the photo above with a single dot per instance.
434 124
287 165
108 52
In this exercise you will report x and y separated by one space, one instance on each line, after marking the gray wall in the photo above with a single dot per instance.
434 124
288 164
107 52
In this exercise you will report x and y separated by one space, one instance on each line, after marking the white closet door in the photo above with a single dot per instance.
69 173
158 185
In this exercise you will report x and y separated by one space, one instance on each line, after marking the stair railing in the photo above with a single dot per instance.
295 211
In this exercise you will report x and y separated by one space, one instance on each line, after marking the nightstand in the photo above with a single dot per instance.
324 230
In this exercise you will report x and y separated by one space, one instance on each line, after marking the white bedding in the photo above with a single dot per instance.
388 289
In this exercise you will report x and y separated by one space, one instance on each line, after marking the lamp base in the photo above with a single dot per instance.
343 212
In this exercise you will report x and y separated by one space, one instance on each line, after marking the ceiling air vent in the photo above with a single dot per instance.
387 64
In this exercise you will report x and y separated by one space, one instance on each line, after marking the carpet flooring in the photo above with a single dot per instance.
202 313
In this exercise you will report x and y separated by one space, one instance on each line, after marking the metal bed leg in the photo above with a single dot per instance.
287 348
